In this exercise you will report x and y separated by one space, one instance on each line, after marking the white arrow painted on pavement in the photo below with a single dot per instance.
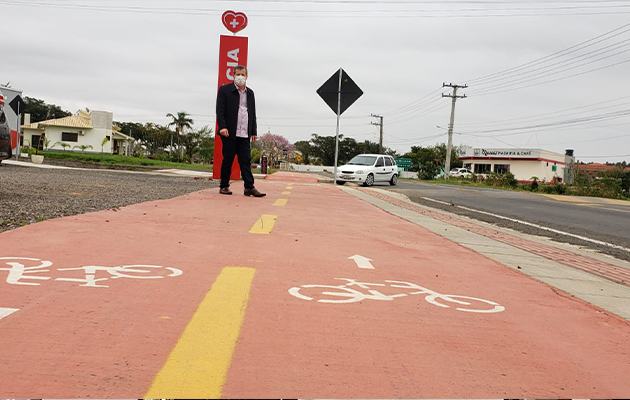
362 262
5 312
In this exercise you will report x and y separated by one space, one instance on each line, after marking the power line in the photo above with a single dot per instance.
413 104
283 13
552 80
538 116
543 72
599 117
567 50
440 2
419 114
525 80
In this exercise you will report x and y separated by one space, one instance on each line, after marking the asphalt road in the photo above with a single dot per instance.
598 219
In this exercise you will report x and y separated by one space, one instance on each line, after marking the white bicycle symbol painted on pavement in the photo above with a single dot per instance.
25 268
345 294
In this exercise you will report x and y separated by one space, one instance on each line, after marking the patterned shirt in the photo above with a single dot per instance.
243 118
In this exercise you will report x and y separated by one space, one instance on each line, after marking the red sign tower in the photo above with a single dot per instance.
232 52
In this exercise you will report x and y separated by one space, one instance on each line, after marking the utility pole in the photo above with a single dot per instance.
380 142
454 96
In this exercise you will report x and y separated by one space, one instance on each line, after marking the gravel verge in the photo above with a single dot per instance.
29 195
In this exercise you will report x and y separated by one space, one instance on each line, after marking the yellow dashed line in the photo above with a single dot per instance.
198 365
286 193
281 202
264 225
289 187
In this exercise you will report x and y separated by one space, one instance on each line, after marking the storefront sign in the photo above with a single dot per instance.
502 153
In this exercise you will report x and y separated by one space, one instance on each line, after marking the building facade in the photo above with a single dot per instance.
81 129
524 164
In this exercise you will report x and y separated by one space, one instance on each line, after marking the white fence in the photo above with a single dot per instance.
325 168
408 174
311 168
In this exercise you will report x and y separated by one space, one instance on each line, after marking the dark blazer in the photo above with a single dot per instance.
227 110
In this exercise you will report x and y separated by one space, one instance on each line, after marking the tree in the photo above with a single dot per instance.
368 147
133 129
62 144
40 111
83 147
347 149
273 146
103 143
255 154
206 149
323 147
155 137
304 147
181 122
194 140
429 161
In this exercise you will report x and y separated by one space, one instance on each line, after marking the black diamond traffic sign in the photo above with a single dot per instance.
350 92
17 104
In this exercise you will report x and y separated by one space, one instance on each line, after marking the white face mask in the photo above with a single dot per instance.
240 80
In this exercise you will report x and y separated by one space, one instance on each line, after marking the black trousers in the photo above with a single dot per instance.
236 147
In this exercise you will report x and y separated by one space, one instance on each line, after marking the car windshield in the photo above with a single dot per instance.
362 160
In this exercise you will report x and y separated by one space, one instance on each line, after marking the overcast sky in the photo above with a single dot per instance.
144 59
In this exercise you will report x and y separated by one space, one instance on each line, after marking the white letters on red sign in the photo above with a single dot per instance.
233 55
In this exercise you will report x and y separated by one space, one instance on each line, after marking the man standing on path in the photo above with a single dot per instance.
236 118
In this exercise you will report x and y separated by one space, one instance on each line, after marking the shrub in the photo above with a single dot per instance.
560 188
547 189
507 180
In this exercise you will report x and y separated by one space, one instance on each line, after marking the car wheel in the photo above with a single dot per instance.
369 181
341 182
394 180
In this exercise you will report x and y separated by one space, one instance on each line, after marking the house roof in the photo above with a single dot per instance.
121 135
598 167
79 120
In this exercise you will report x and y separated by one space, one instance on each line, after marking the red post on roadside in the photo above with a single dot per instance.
232 52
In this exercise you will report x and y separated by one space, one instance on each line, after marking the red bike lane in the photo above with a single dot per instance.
544 344
71 341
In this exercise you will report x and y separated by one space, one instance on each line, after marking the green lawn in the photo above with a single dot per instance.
113 159
116 159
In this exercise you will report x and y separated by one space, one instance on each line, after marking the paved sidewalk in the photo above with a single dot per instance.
314 291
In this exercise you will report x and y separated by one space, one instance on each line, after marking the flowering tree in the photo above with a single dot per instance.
273 145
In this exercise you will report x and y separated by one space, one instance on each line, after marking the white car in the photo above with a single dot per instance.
463 172
368 169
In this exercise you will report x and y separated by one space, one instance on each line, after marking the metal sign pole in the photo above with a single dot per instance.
337 134
17 145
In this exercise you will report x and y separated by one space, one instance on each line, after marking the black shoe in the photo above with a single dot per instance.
225 190
253 192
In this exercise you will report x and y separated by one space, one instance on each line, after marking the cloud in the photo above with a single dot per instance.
142 66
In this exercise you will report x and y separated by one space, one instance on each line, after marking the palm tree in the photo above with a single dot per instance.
181 121
103 143
62 144
83 147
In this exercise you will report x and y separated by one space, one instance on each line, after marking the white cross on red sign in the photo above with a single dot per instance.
234 21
